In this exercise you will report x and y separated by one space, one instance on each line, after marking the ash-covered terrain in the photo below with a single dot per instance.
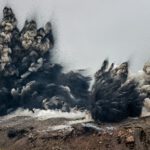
41 107
73 133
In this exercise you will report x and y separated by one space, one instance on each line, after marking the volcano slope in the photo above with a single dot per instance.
55 134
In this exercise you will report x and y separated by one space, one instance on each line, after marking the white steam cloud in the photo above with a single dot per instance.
47 114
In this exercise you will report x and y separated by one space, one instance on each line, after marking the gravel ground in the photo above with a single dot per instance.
73 134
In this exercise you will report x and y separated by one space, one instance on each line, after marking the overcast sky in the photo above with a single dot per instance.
88 31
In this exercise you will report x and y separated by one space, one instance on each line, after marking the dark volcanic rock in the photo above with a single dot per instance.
13 133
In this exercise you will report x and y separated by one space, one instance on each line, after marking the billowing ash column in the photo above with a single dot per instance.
145 85
28 77
115 97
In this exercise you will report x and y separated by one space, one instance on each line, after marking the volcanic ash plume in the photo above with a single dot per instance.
28 77
30 80
144 86
115 96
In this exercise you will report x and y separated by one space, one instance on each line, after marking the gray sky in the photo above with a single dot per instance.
88 31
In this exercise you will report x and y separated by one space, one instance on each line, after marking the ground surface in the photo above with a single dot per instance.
26 133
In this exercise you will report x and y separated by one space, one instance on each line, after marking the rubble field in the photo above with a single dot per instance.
54 134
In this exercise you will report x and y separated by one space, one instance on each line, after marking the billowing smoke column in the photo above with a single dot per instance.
28 77
144 85
115 96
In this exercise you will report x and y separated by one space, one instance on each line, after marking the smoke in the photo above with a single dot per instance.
118 94
115 96
98 28
46 114
30 79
